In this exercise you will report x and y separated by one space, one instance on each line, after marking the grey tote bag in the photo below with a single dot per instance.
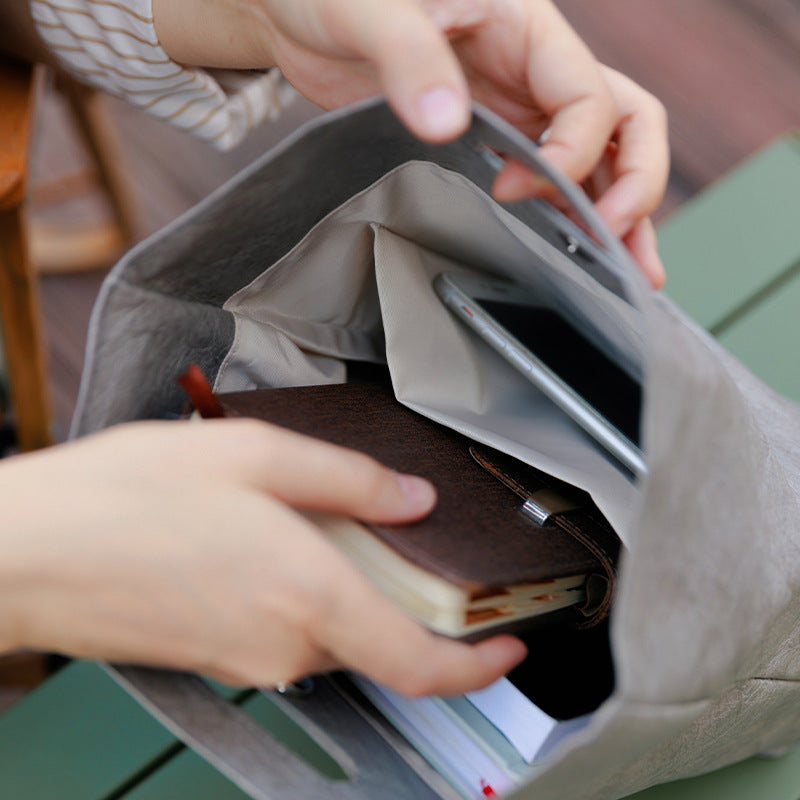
322 252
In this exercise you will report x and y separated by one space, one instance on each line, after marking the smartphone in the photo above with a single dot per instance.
553 355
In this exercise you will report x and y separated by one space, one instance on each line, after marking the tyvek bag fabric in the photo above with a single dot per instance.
322 252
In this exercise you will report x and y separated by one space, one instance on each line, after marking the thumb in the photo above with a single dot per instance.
418 70
305 472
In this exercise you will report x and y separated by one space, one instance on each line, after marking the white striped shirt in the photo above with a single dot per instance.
113 46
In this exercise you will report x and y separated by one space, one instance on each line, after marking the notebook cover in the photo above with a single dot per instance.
476 537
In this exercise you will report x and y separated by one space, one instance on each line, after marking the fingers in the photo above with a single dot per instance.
427 664
418 71
335 608
364 631
588 106
308 473
566 83
323 614
640 166
642 243
632 174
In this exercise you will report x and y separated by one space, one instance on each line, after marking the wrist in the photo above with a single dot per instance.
14 595
24 552
228 34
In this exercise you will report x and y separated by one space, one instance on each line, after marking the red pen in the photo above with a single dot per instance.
487 790
196 385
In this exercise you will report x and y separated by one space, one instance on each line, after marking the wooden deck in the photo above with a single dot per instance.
728 72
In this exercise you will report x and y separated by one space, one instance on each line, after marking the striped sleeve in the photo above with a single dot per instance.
112 44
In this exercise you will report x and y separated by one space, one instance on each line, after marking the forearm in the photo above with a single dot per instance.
116 47
214 33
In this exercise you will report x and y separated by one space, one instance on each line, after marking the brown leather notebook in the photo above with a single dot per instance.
488 554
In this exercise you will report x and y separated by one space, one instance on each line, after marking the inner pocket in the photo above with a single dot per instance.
445 372
358 287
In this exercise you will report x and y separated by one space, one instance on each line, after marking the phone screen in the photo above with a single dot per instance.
577 361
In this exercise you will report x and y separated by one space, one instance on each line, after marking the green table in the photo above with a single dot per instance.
733 258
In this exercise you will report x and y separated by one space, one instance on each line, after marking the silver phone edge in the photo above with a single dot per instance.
544 379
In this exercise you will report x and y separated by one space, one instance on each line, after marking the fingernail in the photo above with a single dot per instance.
643 244
442 112
655 266
508 651
517 651
417 490
656 272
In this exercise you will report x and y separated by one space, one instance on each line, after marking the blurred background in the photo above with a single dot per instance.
728 72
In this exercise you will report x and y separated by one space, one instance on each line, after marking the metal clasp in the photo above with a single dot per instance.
542 504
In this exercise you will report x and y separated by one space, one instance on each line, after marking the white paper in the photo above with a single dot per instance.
523 723
437 737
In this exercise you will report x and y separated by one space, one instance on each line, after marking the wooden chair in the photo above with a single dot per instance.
19 304
28 249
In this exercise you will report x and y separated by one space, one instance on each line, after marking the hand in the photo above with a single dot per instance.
175 544
519 57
